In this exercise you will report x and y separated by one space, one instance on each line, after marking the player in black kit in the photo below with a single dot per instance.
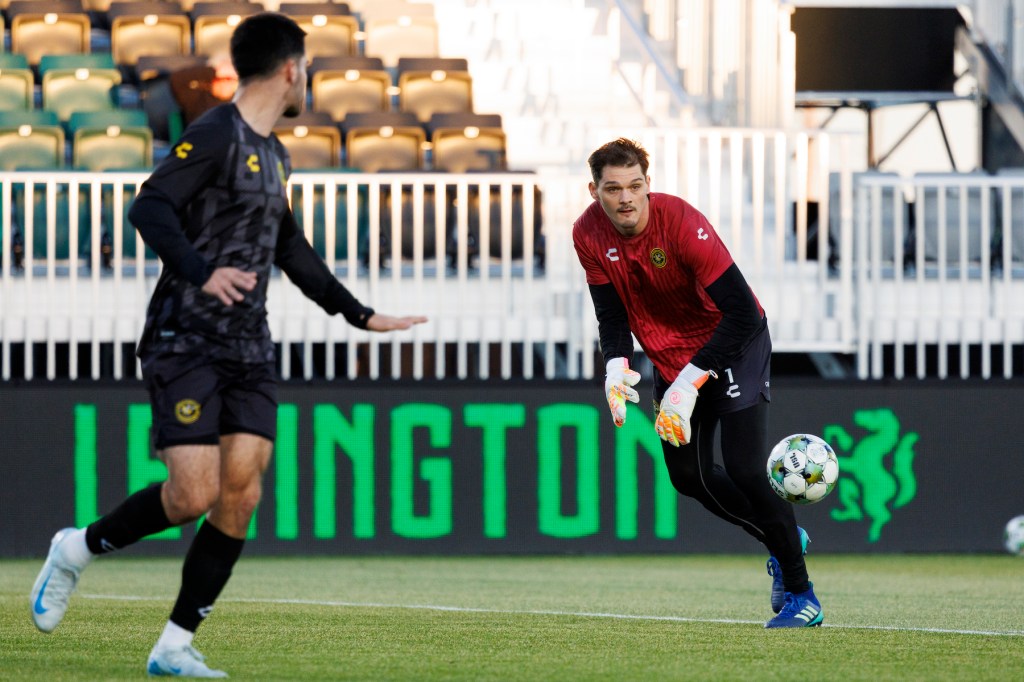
216 213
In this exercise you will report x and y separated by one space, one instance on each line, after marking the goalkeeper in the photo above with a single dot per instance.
657 270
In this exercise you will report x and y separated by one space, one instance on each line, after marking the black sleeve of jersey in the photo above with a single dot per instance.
154 217
175 181
307 269
612 322
741 320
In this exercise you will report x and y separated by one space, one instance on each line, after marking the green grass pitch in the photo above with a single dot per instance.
688 617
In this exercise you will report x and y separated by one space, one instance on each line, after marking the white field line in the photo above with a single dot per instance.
577 614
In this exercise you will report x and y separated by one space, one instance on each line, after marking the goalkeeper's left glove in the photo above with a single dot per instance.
673 422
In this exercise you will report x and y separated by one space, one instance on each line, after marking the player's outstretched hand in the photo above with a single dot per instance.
228 284
387 323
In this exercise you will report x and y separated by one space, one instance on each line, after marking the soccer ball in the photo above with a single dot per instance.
803 469
1013 536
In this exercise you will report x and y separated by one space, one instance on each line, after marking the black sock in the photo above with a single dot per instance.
206 571
140 515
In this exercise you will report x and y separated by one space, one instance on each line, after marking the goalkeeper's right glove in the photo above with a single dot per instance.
673 421
618 382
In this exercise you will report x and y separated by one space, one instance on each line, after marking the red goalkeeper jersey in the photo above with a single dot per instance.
660 275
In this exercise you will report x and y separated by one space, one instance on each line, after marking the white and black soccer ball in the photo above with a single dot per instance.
803 468
1013 536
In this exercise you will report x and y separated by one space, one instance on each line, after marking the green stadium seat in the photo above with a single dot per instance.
30 147
112 147
97 60
10 60
16 86
66 91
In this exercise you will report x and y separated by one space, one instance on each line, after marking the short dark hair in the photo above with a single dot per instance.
263 42
621 153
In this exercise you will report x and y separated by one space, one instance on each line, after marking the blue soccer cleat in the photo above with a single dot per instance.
799 611
775 571
180 661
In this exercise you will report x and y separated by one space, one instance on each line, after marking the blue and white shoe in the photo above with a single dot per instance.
54 586
799 611
775 571
183 661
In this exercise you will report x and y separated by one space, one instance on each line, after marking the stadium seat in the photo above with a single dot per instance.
10 60
66 91
404 36
13 8
467 142
158 66
371 10
312 140
111 140
152 32
16 82
431 85
214 22
313 7
99 13
30 140
343 85
35 35
96 60
385 141
330 28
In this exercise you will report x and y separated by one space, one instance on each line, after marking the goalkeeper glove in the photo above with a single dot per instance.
673 422
618 382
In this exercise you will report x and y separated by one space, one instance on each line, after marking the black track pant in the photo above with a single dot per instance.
739 492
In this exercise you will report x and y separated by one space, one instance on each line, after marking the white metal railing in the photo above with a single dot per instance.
940 263
460 249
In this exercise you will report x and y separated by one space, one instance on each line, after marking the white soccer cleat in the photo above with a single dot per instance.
54 586
182 661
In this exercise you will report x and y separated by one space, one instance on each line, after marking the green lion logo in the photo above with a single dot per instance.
866 485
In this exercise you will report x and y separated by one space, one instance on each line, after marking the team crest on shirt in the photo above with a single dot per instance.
658 257
187 411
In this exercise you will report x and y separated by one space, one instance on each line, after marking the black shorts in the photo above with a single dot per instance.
740 385
196 399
